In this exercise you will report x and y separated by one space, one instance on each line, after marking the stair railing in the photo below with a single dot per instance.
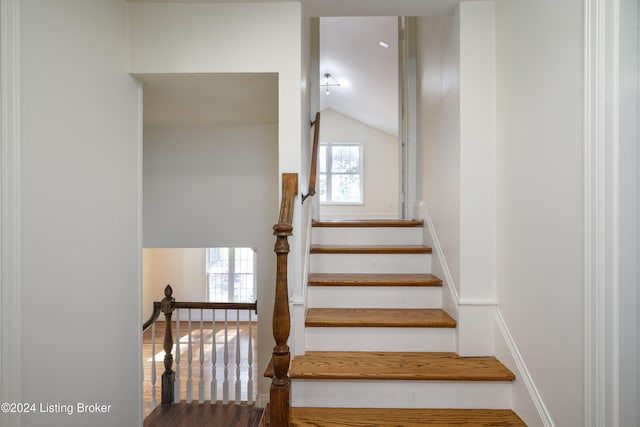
313 172
228 342
279 395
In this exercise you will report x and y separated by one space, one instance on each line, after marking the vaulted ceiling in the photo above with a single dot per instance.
351 51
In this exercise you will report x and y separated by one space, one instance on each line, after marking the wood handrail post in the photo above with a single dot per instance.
169 376
280 386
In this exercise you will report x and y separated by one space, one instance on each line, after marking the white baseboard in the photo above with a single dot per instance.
527 402
482 329
439 262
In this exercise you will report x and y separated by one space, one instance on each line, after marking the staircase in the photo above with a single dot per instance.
380 351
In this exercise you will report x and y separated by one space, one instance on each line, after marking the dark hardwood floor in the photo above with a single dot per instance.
194 414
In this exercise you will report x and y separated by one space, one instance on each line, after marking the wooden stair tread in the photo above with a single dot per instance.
370 249
350 279
373 223
440 366
355 417
379 317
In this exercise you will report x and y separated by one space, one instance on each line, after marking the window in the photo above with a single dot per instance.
231 274
340 175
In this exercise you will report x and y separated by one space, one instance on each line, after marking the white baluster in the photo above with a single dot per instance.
225 383
176 384
189 360
238 381
201 382
214 380
250 367
154 402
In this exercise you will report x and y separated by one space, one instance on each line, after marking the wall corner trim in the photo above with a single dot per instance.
523 372
10 225
601 86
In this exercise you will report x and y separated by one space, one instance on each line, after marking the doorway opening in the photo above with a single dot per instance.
198 225
360 148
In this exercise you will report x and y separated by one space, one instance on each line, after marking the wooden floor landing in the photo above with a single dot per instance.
348 417
194 414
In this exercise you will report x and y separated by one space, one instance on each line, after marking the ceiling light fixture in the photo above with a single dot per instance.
384 44
327 83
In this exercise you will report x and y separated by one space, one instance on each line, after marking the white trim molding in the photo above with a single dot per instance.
522 373
600 211
10 228
421 211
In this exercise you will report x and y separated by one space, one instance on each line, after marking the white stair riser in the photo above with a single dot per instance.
374 297
367 236
370 263
400 394
380 339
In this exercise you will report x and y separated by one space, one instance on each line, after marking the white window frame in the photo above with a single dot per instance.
328 144
230 273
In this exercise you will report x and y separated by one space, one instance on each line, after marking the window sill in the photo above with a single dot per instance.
341 203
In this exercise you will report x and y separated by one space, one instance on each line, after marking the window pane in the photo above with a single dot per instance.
219 287
345 158
243 277
230 274
322 158
345 188
323 187
244 260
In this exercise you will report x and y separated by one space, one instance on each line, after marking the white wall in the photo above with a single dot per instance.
203 185
232 38
539 47
226 38
456 172
628 316
208 186
438 146
380 167
81 244
182 268
477 152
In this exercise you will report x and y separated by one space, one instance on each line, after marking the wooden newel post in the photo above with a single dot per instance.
280 386
169 376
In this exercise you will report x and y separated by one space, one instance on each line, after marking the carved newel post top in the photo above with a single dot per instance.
168 302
